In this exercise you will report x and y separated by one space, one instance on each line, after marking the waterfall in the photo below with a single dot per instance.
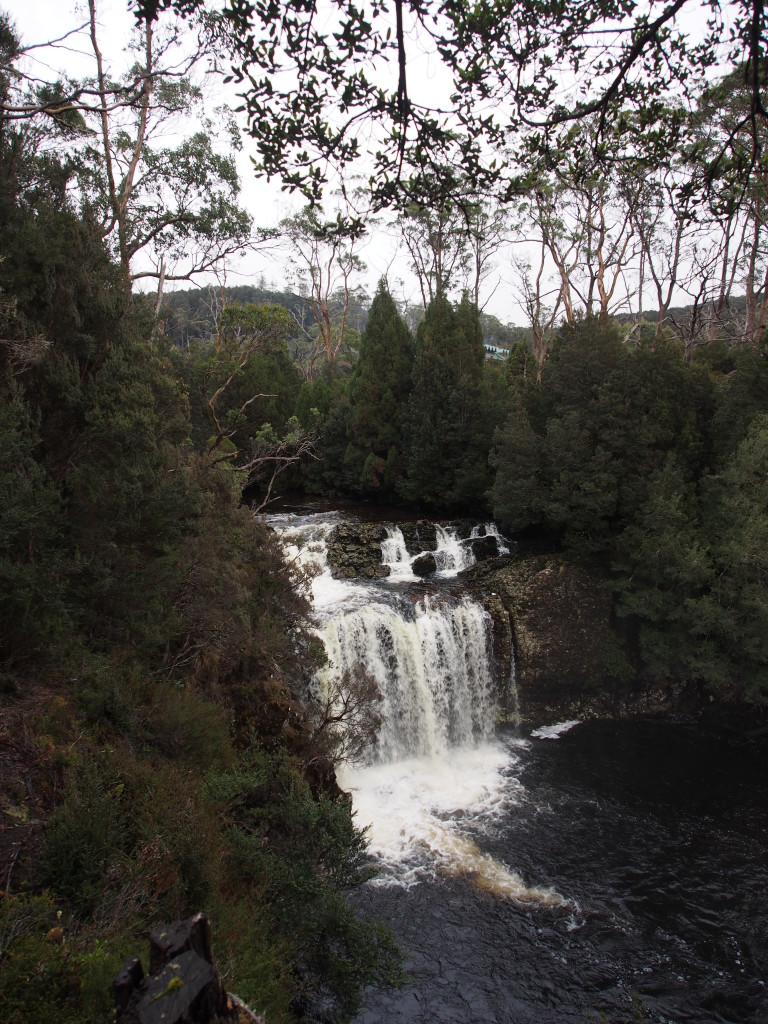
490 530
432 664
453 554
395 554
434 765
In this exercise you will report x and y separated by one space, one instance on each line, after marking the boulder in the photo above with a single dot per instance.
484 548
424 565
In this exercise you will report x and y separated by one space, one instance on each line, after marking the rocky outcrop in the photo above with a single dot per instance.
419 536
484 548
569 661
183 985
354 551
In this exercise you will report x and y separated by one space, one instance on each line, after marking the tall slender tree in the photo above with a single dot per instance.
379 390
446 448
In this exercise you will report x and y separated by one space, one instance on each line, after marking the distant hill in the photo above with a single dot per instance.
189 315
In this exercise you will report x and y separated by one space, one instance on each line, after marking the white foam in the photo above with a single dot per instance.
394 553
553 732
417 811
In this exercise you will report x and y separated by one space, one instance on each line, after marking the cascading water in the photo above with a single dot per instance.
452 553
434 765
431 663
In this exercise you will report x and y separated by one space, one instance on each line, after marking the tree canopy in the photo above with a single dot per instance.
516 76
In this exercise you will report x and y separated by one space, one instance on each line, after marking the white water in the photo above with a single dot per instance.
431 662
453 554
554 732
434 777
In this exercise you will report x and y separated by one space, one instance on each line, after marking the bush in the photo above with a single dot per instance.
301 855
48 975
83 837
183 726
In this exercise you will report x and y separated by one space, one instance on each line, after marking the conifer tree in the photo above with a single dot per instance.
447 439
379 390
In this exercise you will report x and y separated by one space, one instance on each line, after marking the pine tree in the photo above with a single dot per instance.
379 390
447 435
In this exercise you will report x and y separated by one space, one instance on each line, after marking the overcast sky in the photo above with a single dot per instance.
42 20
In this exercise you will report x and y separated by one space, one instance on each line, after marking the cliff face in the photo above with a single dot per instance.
569 663
560 621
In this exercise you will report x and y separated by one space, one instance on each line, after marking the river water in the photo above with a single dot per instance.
587 868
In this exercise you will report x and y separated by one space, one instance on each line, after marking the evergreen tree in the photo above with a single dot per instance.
32 612
379 389
447 443
729 634
582 450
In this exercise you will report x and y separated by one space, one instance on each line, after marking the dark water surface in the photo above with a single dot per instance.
656 833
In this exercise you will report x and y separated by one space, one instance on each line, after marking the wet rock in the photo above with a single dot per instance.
354 551
559 615
484 548
424 565
462 527
569 662
419 536
183 986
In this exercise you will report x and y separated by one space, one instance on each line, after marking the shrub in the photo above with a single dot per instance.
83 837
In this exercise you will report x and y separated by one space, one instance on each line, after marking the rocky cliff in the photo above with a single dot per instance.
569 662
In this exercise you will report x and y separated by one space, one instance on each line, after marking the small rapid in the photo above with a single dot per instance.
452 554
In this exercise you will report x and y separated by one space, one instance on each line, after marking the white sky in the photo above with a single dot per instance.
41 20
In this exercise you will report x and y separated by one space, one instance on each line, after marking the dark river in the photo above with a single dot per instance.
656 836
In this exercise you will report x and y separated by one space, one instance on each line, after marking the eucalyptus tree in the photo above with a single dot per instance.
724 145
325 255
320 78
434 238
166 210
176 206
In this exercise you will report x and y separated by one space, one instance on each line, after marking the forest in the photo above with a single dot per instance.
158 752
